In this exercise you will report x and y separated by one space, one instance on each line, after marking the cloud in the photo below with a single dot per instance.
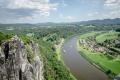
64 3
112 4
23 8
70 17
92 14
114 8
110 1
61 16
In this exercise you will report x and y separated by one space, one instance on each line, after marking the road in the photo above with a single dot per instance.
79 66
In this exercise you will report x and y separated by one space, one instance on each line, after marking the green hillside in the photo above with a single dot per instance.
107 36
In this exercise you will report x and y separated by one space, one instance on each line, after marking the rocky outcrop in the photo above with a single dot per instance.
19 61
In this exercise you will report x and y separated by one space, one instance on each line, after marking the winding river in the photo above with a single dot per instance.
78 66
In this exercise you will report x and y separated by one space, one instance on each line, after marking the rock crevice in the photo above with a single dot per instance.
14 62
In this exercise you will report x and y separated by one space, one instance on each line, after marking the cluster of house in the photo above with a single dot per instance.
92 45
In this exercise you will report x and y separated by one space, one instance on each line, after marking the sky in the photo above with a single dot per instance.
39 11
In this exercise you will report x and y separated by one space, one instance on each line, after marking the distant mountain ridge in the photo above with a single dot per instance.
103 21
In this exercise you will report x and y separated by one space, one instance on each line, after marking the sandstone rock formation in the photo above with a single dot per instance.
19 61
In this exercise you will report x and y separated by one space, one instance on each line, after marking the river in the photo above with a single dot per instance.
79 66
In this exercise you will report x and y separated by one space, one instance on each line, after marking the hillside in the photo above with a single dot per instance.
114 21
107 36
103 21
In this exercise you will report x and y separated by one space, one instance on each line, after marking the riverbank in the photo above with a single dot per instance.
60 58
78 66
99 60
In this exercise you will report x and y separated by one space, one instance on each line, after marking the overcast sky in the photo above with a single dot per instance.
35 11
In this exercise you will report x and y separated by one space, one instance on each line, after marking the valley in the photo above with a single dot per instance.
67 51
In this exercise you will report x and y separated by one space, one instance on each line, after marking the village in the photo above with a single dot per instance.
92 46
108 46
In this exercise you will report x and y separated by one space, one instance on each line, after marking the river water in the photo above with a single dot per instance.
78 66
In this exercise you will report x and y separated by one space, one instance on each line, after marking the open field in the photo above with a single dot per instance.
109 65
107 36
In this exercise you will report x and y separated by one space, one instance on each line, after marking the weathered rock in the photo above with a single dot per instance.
14 63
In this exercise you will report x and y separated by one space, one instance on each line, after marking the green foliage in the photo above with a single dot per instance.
30 54
53 68
107 62
102 61
47 37
118 30
4 37
85 36
107 36
51 37
25 39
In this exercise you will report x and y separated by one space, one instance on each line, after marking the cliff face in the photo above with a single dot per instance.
19 61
